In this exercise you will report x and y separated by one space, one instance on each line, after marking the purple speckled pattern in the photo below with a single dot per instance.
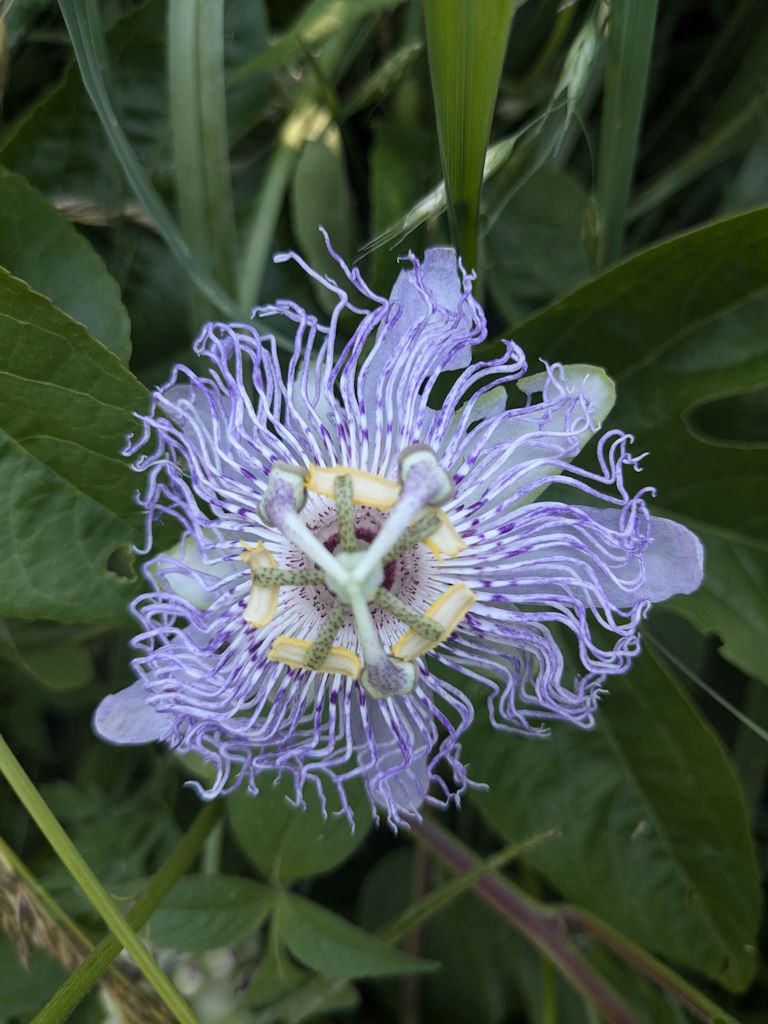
355 392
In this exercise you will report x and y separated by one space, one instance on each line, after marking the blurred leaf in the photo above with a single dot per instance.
66 410
318 19
83 21
58 143
335 947
535 249
732 601
199 131
207 911
320 196
655 837
286 842
466 42
53 659
476 949
40 246
677 325
631 26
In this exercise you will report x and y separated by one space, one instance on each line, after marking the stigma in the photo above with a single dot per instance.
354 567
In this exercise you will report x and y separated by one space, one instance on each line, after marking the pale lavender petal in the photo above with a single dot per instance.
126 718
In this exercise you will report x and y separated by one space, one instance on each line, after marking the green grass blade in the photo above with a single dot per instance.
630 39
73 861
83 21
199 130
466 42
82 980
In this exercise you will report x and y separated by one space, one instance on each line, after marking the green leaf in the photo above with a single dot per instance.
321 196
476 949
43 248
630 41
199 130
655 836
69 515
535 248
466 42
334 947
732 601
49 655
207 911
286 842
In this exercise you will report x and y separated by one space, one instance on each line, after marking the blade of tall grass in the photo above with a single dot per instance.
83 21
466 42
630 39
73 861
199 132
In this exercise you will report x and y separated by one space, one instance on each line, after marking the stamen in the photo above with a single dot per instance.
262 601
424 527
428 628
447 611
293 651
345 512
321 645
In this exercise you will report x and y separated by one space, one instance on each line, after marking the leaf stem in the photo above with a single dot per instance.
72 859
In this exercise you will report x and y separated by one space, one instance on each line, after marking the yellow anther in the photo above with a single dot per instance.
444 541
262 602
367 488
292 651
447 611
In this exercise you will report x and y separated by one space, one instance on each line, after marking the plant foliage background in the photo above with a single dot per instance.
153 155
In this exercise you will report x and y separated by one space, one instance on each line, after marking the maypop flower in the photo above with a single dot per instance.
366 535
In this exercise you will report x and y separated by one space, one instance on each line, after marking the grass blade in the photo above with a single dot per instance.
83 21
630 39
82 980
199 130
466 42
73 861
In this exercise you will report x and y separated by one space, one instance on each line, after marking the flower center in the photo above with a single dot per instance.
353 565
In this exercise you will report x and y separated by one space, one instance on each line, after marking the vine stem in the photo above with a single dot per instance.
535 921
547 927
72 859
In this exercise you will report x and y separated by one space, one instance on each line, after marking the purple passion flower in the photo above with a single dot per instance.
366 535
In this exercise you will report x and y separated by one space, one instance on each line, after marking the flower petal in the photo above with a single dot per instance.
673 561
126 718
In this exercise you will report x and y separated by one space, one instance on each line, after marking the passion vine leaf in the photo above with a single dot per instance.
285 843
333 946
43 248
68 518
